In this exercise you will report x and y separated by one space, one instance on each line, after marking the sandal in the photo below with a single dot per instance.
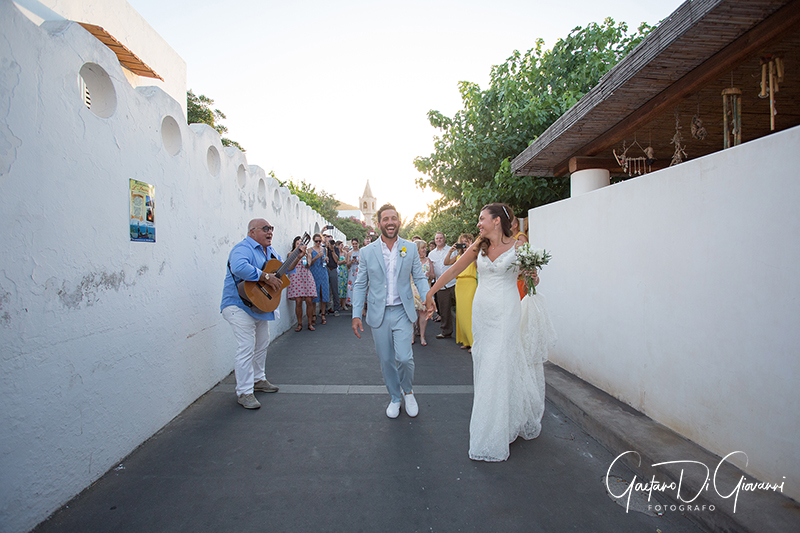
311 328
423 342
299 327
323 320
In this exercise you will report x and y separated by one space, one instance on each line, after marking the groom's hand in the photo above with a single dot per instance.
430 307
357 326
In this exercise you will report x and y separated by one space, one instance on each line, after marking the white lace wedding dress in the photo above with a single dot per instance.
511 339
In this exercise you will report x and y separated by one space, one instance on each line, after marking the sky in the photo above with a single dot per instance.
337 92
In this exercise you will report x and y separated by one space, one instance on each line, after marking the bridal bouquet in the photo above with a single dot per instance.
528 261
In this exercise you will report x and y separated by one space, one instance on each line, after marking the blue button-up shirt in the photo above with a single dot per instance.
245 260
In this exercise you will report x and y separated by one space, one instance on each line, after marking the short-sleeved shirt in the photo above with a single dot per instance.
437 257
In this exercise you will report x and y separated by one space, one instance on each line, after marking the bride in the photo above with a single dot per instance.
510 340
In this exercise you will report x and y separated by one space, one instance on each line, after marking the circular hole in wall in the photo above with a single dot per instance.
171 135
212 160
241 176
276 201
262 192
97 91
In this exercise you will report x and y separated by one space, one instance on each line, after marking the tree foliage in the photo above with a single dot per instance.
451 221
471 162
199 111
353 228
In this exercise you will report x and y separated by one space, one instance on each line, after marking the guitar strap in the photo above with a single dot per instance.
245 301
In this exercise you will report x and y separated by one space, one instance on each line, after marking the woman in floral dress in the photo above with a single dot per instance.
301 289
343 255
352 264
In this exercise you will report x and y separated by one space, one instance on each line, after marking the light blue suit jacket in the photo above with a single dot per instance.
371 284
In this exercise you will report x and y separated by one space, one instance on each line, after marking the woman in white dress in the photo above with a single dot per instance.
510 340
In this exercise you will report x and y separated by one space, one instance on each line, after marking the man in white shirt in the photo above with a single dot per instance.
385 270
446 295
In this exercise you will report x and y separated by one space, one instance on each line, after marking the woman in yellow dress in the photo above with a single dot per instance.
466 284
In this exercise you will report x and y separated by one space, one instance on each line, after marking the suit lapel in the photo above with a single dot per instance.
379 251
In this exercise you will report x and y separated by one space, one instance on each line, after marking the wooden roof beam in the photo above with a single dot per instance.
125 56
780 23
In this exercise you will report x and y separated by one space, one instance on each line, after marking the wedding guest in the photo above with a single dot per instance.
516 231
419 304
446 294
302 288
333 276
352 265
318 267
250 325
341 275
466 284
521 237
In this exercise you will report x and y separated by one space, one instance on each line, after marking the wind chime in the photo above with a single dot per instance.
731 117
635 166
771 76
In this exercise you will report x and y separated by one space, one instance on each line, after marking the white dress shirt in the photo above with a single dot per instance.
390 260
437 257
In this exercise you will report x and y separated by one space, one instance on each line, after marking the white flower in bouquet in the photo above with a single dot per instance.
529 260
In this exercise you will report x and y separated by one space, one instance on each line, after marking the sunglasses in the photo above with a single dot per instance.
317 240
266 229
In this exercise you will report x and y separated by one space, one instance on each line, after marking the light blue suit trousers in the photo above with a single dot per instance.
393 345
392 326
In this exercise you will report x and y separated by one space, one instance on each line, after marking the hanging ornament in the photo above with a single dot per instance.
697 128
677 140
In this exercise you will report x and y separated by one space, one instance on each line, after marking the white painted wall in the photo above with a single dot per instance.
119 19
105 340
678 293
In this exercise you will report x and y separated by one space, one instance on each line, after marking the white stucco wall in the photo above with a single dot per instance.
677 292
105 340
119 19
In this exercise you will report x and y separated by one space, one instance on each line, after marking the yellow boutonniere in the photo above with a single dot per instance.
403 251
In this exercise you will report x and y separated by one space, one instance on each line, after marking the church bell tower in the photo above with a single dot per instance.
367 204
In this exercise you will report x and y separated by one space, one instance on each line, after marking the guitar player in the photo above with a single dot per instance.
250 325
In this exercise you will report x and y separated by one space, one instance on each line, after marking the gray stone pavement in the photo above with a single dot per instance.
321 455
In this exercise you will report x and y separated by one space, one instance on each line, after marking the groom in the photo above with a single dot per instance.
385 269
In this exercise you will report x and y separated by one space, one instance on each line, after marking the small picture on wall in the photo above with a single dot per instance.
143 211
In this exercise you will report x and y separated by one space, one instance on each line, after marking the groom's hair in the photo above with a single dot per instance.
386 207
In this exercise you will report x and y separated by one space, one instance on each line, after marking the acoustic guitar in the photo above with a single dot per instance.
262 296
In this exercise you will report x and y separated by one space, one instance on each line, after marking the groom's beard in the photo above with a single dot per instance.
387 233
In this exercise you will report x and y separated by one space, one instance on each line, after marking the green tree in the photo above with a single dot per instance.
451 221
354 229
199 111
471 162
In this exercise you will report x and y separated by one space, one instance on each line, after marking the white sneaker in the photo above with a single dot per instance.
412 409
393 410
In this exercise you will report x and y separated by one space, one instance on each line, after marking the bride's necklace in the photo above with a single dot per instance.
494 246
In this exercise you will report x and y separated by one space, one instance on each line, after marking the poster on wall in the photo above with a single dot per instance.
143 211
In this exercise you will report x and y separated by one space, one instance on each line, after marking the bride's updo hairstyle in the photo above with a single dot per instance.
505 214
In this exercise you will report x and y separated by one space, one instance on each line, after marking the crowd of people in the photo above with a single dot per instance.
408 283
324 277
